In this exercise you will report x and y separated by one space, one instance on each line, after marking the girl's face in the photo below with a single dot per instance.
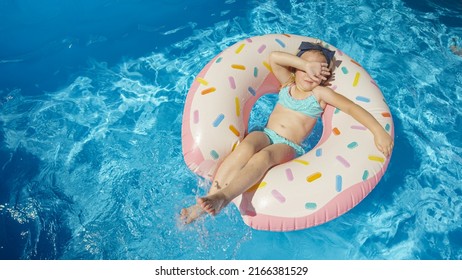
302 80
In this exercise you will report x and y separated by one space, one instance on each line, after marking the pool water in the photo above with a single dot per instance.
91 102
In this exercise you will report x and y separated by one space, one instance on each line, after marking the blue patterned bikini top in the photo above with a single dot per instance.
308 106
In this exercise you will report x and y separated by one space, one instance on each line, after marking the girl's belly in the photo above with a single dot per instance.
289 124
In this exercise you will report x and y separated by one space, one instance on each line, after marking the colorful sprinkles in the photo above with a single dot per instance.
363 99
202 81
365 175
278 196
208 90
352 145
252 91
196 117
261 48
387 127
214 154
343 161
232 82
218 120
356 80
239 49
257 186
304 162
238 66
313 177
318 152
376 158
338 183
234 130
289 174
237 104
280 42
311 205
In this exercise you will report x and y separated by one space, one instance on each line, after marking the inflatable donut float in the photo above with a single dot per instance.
327 181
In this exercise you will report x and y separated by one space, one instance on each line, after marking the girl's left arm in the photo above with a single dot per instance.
382 139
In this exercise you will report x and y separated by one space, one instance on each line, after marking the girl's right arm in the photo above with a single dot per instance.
281 64
382 139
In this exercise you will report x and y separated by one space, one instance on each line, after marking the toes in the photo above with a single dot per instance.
205 204
209 209
183 214
188 220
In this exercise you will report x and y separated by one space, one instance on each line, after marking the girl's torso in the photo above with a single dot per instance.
294 117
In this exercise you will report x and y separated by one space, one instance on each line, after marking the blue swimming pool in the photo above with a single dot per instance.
91 102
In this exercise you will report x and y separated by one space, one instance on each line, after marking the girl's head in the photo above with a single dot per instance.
301 77
315 53
309 47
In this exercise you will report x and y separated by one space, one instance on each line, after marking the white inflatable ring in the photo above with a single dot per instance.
310 190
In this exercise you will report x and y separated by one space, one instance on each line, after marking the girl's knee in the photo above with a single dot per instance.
245 148
262 158
272 157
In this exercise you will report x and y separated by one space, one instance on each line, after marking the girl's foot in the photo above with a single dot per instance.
192 213
213 203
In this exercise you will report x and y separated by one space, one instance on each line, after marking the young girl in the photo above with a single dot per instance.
302 100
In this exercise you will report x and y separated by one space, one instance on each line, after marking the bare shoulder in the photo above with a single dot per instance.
329 96
321 92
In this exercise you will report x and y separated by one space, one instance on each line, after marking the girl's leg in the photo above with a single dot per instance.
247 176
235 161
232 164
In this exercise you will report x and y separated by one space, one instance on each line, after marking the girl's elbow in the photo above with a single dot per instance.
273 57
